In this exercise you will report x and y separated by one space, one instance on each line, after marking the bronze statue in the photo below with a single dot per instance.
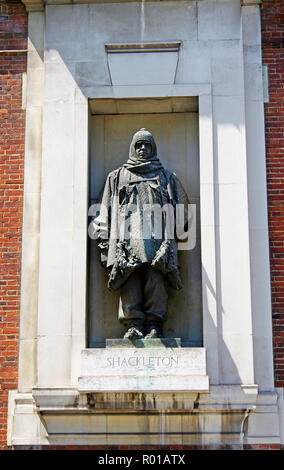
141 255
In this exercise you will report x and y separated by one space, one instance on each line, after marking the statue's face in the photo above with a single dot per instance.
143 149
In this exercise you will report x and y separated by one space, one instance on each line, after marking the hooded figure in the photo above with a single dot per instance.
136 234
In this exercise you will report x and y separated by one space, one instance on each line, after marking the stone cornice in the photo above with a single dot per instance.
38 5
34 5
251 2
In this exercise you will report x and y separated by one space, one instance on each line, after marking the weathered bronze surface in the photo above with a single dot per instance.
139 250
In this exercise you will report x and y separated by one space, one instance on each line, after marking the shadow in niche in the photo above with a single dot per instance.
144 343
227 370
219 358
104 306
176 135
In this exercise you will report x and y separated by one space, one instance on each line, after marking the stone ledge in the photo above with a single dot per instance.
39 5
143 343
251 2
164 46
229 396
70 417
62 415
196 383
69 399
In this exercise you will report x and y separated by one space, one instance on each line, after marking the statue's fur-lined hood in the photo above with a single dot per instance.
142 135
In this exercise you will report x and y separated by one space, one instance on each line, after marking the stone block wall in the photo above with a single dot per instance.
13 38
272 20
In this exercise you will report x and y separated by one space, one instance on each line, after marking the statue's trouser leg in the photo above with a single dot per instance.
155 297
132 296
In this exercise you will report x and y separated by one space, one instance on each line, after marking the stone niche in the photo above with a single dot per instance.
174 124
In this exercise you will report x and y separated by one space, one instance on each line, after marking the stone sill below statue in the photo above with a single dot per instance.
160 364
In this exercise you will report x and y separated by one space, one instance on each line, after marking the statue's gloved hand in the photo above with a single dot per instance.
103 246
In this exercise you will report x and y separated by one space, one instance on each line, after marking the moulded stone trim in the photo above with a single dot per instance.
59 399
72 417
251 2
230 397
124 69
140 384
63 2
226 397
171 46
265 423
39 5
34 5
229 414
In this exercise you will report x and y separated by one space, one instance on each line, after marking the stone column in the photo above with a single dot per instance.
263 424
62 270
32 188
208 236
257 196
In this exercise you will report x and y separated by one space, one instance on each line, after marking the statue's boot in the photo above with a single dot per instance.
153 331
133 333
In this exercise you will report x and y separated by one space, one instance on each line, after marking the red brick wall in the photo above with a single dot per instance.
13 36
272 16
